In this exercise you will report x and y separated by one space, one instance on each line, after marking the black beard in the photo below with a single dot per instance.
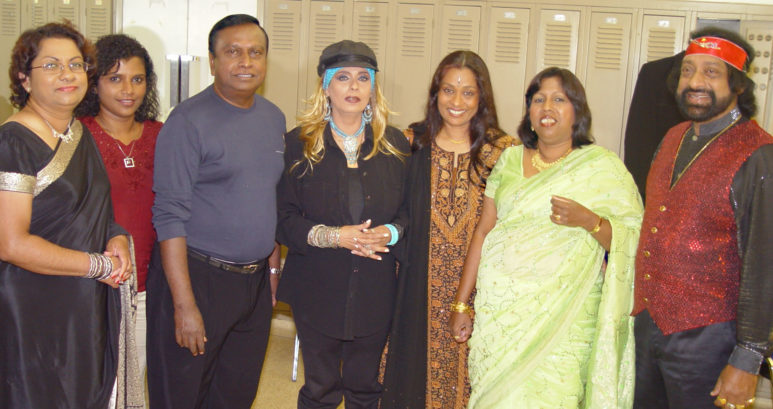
701 113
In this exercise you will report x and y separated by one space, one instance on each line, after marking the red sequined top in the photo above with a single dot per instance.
687 264
131 188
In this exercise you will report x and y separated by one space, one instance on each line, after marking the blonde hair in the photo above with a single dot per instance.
313 123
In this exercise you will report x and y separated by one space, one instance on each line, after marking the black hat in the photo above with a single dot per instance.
346 53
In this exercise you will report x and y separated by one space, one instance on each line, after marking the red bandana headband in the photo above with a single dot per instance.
726 51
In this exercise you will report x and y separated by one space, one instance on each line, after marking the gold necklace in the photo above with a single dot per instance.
455 141
540 164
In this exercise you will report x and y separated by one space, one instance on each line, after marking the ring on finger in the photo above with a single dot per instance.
722 401
750 401
729 405
557 217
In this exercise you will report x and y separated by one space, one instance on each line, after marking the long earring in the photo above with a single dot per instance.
328 111
367 114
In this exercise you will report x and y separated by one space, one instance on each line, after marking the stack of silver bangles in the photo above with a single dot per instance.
100 266
324 236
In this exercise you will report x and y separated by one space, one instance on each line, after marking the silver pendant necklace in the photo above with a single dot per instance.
128 160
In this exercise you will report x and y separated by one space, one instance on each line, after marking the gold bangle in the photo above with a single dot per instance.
460 307
598 226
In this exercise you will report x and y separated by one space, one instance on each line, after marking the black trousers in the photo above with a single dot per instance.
678 371
236 309
335 368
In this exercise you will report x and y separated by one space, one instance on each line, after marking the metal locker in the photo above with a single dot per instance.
96 18
282 23
606 73
326 26
10 28
558 39
507 43
460 29
411 64
662 36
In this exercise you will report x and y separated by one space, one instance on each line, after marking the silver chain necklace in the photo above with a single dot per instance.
66 136
128 160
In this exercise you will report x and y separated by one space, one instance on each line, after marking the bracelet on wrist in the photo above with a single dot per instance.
597 227
460 307
394 235
275 271
100 266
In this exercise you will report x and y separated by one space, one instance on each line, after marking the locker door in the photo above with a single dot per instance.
283 20
326 27
65 9
508 37
411 66
10 28
370 27
760 35
606 73
460 29
558 37
661 37
34 13
96 16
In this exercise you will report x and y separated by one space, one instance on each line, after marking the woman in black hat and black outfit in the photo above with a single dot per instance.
338 203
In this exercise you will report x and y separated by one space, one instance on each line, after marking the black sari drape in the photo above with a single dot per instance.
405 375
58 343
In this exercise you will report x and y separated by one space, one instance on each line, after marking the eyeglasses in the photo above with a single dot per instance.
55 67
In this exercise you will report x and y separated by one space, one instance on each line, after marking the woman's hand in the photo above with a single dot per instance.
363 241
567 212
118 247
460 326
374 241
110 281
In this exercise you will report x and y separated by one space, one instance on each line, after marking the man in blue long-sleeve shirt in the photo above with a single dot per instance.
218 160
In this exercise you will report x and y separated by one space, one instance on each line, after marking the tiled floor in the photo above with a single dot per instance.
277 390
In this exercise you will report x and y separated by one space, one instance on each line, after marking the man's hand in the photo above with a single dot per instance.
189 329
734 387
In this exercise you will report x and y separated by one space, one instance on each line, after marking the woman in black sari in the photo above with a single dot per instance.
62 256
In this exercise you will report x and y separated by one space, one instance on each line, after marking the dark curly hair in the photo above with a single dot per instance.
27 47
575 92
740 83
111 49
484 126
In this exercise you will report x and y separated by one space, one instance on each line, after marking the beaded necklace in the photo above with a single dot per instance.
540 164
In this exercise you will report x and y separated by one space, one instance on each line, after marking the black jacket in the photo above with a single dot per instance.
335 292
653 112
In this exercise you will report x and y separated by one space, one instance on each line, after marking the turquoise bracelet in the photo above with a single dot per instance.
393 232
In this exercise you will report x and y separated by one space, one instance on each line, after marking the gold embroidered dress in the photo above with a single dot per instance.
456 202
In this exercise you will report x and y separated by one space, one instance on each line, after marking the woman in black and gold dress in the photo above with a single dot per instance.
62 254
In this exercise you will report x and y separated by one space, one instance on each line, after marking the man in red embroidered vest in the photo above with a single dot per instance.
704 269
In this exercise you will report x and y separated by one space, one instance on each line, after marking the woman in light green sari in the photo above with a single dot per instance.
552 326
